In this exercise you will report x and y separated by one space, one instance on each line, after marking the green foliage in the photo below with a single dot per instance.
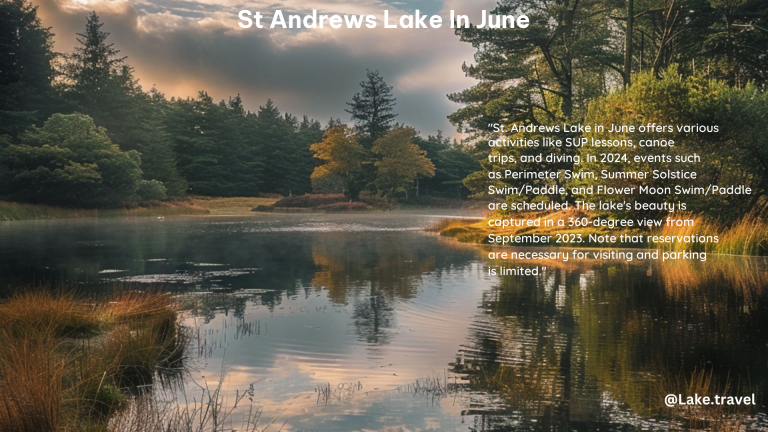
565 47
737 154
343 158
99 83
575 53
724 39
453 163
372 108
215 150
151 190
285 141
71 162
401 161
26 67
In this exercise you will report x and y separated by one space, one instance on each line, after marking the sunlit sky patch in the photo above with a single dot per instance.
184 46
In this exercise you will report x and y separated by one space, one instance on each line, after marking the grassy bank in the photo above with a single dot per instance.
324 203
195 205
748 236
366 202
13 211
477 231
70 364
230 205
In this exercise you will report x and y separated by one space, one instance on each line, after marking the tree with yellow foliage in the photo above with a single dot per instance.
401 161
343 156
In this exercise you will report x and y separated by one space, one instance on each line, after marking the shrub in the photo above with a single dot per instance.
69 161
151 190
734 155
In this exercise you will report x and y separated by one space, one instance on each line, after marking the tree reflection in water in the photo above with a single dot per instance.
602 343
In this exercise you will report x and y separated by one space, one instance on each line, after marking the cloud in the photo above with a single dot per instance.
185 46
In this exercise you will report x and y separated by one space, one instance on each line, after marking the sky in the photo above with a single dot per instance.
184 46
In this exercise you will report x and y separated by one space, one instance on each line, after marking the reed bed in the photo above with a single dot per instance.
208 410
747 236
747 277
69 364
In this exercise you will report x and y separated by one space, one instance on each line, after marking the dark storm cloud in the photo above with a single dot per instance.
309 73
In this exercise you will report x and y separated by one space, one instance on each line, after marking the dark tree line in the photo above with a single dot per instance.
177 146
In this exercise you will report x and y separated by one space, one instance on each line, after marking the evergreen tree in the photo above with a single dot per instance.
554 66
26 68
194 125
218 151
158 158
372 108
274 134
97 78
452 163
243 150
309 132
100 83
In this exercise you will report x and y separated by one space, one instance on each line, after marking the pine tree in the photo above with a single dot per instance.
158 159
274 132
101 84
372 108
26 68
552 67
94 69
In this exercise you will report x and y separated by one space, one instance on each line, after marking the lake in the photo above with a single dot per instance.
331 322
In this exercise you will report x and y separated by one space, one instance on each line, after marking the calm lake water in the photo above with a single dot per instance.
366 322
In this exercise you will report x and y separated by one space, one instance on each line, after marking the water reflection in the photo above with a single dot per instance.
349 322
602 344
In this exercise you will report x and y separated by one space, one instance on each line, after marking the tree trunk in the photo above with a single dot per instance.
628 42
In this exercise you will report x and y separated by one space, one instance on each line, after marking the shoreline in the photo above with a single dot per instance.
192 206
11 211
746 237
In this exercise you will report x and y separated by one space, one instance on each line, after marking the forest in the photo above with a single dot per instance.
78 130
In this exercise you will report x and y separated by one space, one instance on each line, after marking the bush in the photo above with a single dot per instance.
734 155
151 190
71 162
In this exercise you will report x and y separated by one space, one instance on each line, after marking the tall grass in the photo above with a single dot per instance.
748 236
69 363
31 376
37 312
